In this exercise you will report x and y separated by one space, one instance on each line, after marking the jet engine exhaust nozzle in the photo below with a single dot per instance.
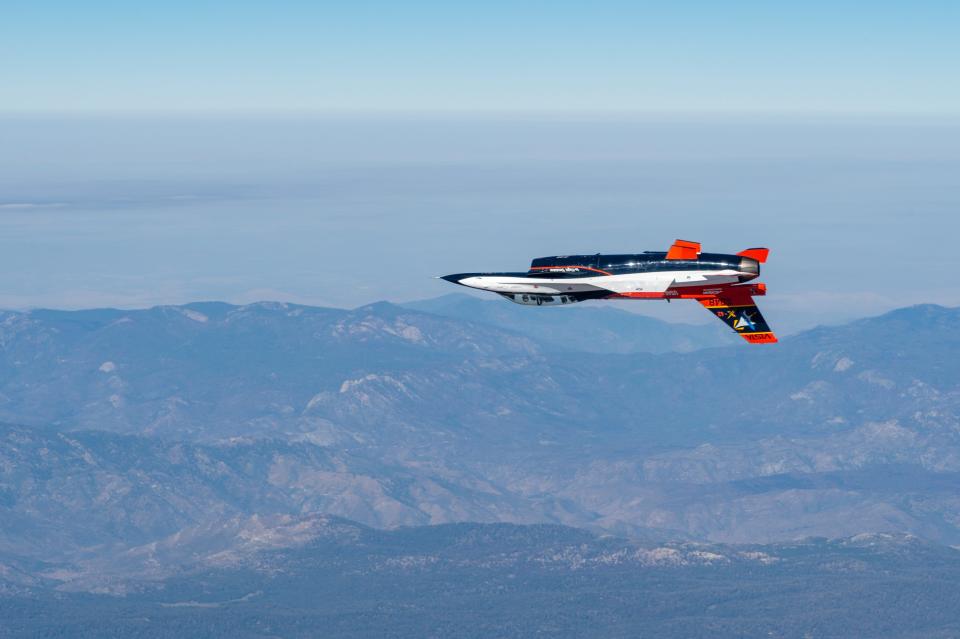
749 266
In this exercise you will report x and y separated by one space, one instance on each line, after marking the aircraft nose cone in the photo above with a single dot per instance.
470 280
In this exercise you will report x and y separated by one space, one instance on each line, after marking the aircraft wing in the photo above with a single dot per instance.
737 310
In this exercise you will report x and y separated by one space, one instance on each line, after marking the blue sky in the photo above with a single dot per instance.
343 153
819 56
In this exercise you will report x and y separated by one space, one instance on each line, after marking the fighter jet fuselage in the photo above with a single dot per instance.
716 280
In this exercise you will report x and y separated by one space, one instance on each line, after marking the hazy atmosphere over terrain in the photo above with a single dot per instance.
137 211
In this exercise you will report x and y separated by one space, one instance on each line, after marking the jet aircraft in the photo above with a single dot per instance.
715 280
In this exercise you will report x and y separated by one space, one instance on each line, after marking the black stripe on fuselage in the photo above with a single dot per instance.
574 266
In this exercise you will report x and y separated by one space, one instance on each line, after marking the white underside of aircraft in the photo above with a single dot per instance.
657 282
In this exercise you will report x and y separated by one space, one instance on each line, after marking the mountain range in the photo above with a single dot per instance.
137 444
590 327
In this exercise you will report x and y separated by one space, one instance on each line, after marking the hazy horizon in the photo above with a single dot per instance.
343 211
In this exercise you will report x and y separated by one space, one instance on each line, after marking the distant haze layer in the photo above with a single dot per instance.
134 211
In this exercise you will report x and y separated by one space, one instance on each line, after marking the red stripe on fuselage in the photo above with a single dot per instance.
721 295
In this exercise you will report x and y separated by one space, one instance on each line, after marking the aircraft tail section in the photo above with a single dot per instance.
736 309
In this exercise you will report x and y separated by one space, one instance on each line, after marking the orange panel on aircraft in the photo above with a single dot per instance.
684 250
758 254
